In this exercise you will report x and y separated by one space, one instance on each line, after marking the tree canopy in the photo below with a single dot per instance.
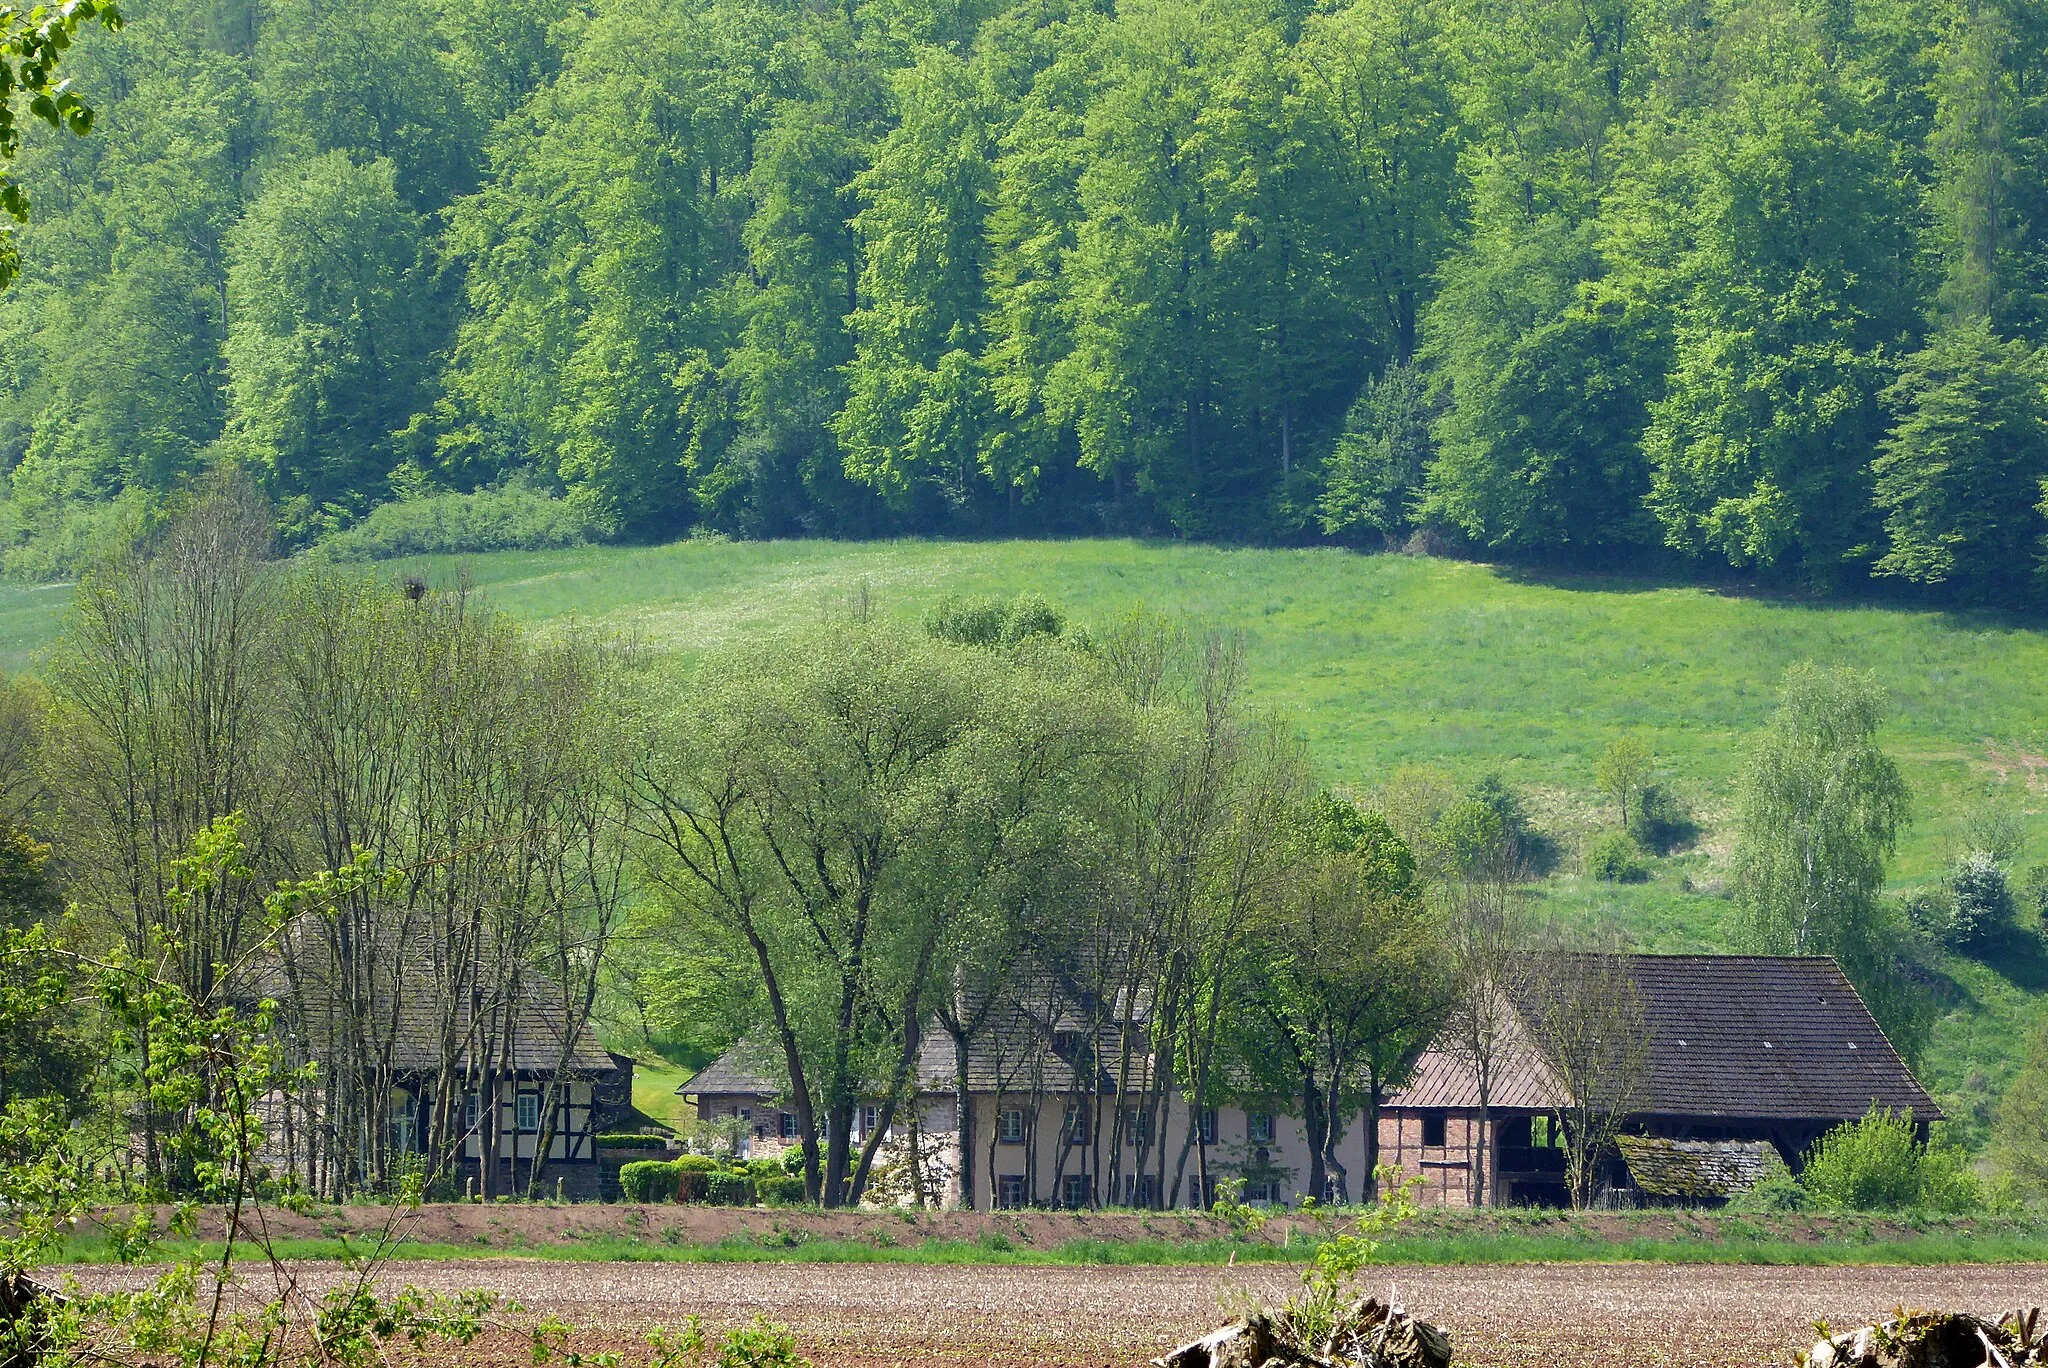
1755 289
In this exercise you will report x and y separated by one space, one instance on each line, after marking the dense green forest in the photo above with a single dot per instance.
1713 286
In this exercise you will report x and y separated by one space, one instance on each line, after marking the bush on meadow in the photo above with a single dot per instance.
1878 1164
1983 900
1661 821
1614 857
512 517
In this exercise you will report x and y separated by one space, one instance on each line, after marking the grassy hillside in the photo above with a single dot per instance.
1389 660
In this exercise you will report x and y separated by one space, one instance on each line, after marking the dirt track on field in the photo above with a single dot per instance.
877 1315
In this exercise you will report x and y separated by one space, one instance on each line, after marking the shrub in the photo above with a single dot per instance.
631 1140
690 1184
728 1189
1930 911
696 1163
1469 834
782 1189
1031 615
974 621
513 517
762 1344
1947 1182
1983 900
648 1181
2034 896
1661 822
1614 856
984 621
1778 1191
1488 823
1876 1164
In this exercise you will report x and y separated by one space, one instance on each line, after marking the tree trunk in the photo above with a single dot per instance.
963 1122
1317 1128
1375 1085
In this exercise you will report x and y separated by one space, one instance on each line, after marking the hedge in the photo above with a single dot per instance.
648 1181
728 1189
631 1140
783 1189
692 1178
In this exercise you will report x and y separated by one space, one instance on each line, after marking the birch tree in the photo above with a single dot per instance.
1820 810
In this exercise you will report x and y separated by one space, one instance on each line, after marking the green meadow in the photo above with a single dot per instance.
1382 661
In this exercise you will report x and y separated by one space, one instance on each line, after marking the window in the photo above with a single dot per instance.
402 1113
529 1112
1139 1191
470 1106
1074 1191
1076 1127
743 1113
1010 1126
870 1117
1138 1127
1433 1128
1208 1125
1010 1190
1259 1128
789 1128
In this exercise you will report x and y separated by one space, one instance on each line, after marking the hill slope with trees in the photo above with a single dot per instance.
1749 284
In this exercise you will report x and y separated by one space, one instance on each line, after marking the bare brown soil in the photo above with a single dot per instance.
883 1315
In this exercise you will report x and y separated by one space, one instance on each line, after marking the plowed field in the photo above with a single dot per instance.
875 1315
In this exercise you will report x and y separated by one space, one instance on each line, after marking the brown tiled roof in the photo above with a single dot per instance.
538 1030
1749 1037
1521 1081
1697 1168
1765 1037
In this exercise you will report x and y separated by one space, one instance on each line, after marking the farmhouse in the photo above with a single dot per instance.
1749 1060
534 1094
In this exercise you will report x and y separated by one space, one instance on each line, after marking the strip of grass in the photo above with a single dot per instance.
1999 1246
